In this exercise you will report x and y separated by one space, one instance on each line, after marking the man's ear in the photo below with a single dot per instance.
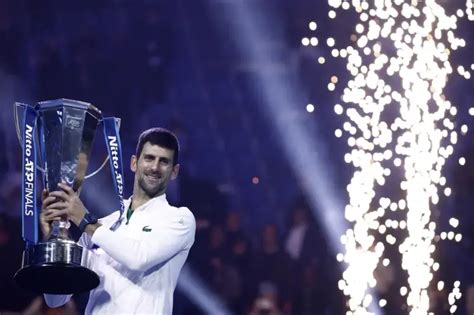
133 163
175 172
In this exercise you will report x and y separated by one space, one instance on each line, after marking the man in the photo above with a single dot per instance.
138 264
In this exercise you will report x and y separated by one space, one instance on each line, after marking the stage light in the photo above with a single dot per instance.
198 292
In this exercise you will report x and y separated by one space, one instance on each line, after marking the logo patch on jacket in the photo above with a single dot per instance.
146 228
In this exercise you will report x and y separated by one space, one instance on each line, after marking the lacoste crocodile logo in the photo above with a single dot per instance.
146 228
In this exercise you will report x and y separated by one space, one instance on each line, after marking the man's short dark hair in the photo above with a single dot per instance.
159 136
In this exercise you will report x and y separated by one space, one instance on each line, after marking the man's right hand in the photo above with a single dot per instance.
47 216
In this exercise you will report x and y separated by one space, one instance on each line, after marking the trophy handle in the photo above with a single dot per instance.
105 161
15 118
99 169
16 107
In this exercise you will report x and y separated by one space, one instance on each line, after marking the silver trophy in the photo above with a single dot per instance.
64 132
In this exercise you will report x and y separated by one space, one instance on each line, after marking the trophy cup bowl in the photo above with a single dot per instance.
65 130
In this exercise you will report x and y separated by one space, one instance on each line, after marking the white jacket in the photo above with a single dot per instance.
139 263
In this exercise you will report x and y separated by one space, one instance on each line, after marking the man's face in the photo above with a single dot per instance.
153 169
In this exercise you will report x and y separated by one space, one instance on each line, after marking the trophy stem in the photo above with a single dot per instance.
60 230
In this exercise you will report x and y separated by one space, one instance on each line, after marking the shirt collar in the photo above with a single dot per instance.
160 198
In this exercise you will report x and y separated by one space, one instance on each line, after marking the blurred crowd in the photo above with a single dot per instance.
281 272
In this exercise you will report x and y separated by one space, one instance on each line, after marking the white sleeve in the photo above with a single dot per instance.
162 242
56 300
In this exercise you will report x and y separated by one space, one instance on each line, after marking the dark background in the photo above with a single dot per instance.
199 68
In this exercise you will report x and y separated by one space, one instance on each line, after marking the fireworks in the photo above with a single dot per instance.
400 130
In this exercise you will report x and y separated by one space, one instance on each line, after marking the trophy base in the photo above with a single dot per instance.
55 267
57 278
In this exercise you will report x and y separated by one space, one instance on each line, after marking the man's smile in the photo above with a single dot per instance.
153 177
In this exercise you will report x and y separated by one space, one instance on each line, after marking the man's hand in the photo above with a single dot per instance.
47 216
67 204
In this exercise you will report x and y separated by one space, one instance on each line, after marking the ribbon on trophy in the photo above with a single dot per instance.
29 214
112 139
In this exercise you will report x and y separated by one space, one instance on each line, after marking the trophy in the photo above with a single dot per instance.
60 134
